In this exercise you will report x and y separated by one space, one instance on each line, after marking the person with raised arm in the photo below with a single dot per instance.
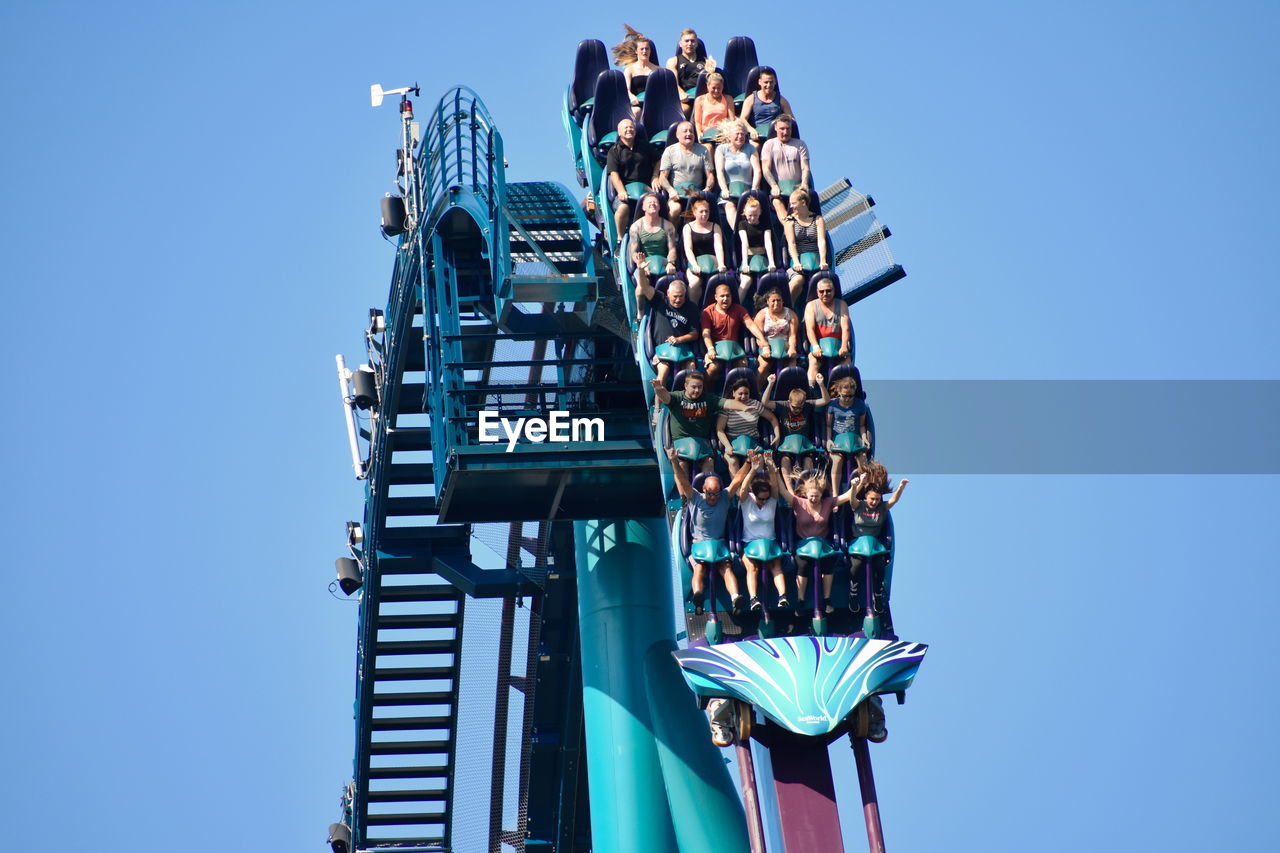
826 324
780 326
708 520
631 169
785 163
688 63
739 432
652 242
692 418
814 511
762 107
676 325
685 170
869 516
722 324
758 498
737 166
703 247
795 423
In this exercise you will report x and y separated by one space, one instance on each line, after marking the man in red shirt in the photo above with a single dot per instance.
722 325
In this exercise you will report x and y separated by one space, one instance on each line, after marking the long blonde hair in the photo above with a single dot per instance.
624 52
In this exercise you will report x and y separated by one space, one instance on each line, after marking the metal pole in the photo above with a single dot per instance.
750 797
343 373
870 805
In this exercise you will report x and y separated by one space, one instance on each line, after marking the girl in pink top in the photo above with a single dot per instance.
712 108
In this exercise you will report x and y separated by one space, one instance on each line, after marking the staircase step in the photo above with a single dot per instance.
418 620
410 438
414 673
416 647
408 724
406 796
409 747
428 592
404 820
436 772
428 697
411 474
413 505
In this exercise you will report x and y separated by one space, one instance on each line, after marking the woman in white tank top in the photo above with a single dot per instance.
758 503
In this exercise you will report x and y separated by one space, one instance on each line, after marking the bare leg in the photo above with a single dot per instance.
707 465
753 576
731 459
699 582
730 579
731 214
780 207
779 579
826 589
797 292
837 466
622 218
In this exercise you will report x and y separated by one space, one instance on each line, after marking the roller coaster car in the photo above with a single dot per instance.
660 111
612 104
591 61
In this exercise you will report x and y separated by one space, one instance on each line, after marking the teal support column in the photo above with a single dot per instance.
656 782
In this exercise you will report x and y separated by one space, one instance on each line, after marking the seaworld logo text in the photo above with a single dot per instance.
558 427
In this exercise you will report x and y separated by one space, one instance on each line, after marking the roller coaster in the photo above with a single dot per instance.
531 660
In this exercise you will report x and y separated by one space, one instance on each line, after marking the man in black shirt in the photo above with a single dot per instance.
675 323
628 163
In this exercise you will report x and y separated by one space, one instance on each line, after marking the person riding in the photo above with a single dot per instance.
685 169
708 520
676 324
692 418
711 109
739 432
795 424
785 162
688 63
826 324
737 166
635 54
869 517
848 427
703 247
814 511
780 325
758 498
722 325
763 106
756 239
653 243
631 171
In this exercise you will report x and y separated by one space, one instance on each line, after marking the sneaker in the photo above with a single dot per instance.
756 607
699 598
721 713
783 603
739 602
826 606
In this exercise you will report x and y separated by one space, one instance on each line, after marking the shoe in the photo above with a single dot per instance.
756 607
699 598
721 712
826 606
783 603
877 732
739 602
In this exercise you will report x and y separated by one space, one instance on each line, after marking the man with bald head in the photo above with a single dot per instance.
631 170
685 169
708 520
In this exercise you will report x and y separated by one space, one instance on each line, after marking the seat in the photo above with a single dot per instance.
592 59
661 108
739 59
611 105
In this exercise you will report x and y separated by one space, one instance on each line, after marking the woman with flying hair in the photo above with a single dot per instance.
635 54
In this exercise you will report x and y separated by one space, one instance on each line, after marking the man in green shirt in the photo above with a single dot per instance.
693 418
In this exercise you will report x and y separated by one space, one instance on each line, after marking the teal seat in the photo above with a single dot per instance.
757 263
657 264
711 134
810 261
729 351
737 188
743 443
609 138
788 187
867 546
797 443
675 353
777 347
830 347
849 442
815 548
687 188
635 189
707 264
763 550
710 551
692 449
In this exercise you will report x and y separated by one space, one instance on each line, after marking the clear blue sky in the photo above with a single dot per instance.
189 215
